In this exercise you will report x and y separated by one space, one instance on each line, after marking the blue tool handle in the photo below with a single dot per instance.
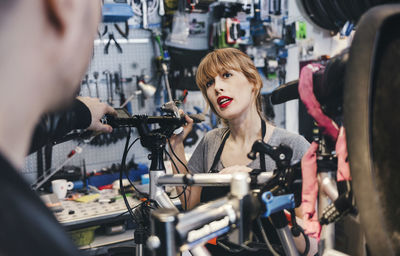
275 204
198 110
206 127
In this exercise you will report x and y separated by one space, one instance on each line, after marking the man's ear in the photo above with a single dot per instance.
54 10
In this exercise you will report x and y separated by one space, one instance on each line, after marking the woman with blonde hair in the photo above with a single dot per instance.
231 85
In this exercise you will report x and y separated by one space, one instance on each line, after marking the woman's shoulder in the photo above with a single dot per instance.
282 136
215 134
213 138
284 133
296 142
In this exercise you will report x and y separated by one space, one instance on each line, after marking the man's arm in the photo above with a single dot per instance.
84 113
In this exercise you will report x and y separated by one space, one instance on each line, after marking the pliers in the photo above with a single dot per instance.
111 37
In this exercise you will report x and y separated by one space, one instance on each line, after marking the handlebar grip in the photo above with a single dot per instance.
197 118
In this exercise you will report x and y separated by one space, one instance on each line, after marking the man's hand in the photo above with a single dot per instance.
98 110
235 169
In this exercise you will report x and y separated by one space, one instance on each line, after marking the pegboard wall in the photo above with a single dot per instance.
136 59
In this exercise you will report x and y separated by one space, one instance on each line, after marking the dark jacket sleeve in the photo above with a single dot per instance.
56 125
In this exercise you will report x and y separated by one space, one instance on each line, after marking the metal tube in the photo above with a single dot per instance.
240 184
176 179
163 224
153 177
157 193
203 215
200 251
227 208
163 200
205 179
329 193
328 185
139 249
287 241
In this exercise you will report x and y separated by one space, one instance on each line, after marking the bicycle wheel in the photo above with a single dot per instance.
357 8
335 12
345 7
371 117
328 14
318 16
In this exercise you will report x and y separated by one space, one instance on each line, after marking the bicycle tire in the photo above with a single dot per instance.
315 14
336 13
371 107
328 14
344 6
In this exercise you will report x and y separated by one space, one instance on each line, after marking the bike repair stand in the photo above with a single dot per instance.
285 235
155 142
282 156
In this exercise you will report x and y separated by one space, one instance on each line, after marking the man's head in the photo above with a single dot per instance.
51 42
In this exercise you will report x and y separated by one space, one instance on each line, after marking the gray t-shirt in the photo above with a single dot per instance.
203 156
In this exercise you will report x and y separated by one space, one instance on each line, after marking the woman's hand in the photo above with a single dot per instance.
236 168
179 138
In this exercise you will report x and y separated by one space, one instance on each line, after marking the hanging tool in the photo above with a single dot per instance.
112 38
108 76
121 81
105 73
96 77
141 98
85 180
49 173
102 33
122 33
182 98
110 89
167 86
161 11
144 12
86 82
48 153
117 81
39 162
118 88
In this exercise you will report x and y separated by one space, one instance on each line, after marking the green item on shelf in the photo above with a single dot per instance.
84 236
301 30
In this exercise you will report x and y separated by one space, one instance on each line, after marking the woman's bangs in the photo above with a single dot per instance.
217 63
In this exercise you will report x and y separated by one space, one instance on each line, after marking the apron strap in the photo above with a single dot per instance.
262 156
221 148
219 152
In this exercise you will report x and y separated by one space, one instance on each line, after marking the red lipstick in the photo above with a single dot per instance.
224 101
